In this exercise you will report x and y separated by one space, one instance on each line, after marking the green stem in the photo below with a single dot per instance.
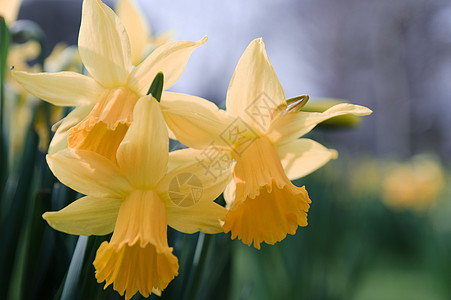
199 260
71 284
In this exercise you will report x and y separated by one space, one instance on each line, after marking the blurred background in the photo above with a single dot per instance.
392 56
380 221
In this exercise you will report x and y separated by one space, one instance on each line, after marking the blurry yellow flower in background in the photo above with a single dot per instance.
21 105
133 198
260 132
141 39
20 54
106 97
63 57
413 185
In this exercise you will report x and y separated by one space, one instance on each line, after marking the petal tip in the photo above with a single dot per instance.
333 154
368 111
258 42
45 216
203 40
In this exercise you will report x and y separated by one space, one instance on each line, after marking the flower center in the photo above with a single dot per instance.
106 125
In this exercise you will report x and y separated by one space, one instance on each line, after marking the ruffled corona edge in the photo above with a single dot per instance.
270 216
133 268
138 257
267 205
106 125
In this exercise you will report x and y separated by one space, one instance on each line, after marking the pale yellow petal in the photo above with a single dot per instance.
203 216
170 59
292 125
63 88
88 173
198 180
59 140
143 154
255 93
162 38
103 44
9 10
189 191
86 216
229 193
302 157
195 122
136 27
182 157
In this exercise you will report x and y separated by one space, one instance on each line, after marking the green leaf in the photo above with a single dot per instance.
197 268
156 88
4 45
89 288
70 289
26 270
16 202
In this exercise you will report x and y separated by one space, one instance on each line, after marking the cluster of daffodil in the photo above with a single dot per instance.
114 148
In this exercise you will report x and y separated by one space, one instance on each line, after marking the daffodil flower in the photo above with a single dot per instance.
261 135
106 97
136 199
139 33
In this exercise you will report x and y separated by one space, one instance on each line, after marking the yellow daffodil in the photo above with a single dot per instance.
260 132
106 97
139 33
136 199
